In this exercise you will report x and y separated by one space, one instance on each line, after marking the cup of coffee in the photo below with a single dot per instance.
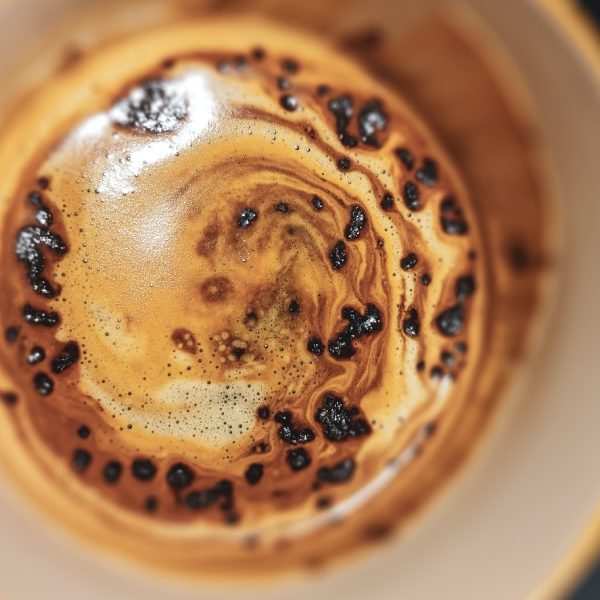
267 282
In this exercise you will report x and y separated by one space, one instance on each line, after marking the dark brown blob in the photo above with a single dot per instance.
358 220
427 174
317 203
27 250
465 286
298 459
315 346
179 476
342 109
451 321
411 196
247 216
258 53
208 242
42 384
11 334
200 499
282 207
283 83
409 261
216 289
451 218
323 502
344 163
81 460
112 472
239 62
67 357
446 357
254 473
154 108
519 257
9 398
341 346
83 432
150 504
294 307
43 183
461 347
371 120
323 90
426 279
387 202
36 355
143 469
185 340
436 372
290 434
43 215
338 255
410 325
406 157
288 102
263 412
421 366
338 421
341 472
289 65
35 316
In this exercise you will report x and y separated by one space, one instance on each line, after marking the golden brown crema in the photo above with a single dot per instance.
241 288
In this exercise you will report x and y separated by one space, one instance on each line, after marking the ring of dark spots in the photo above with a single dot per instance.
341 346
317 203
143 469
411 196
406 157
371 120
340 422
465 286
150 504
341 472
409 261
342 109
35 316
298 459
81 460
11 334
315 346
411 325
43 384
9 398
289 102
179 476
254 473
67 357
451 217
263 412
289 65
323 90
427 174
358 220
338 255
83 432
290 434
112 472
451 321
246 217
294 307
344 163
426 279
282 207
36 355
387 202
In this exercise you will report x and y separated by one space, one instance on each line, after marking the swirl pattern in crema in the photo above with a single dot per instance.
242 287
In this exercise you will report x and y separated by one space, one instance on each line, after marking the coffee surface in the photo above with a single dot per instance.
242 285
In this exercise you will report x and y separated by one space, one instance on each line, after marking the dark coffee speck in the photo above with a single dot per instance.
409 261
112 472
451 321
247 216
338 255
289 102
81 460
411 196
254 473
143 469
43 384
338 473
315 346
427 174
180 476
410 325
298 459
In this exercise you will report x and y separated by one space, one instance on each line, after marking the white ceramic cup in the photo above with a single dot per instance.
505 527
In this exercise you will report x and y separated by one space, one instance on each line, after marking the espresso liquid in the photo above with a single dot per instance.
243 287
